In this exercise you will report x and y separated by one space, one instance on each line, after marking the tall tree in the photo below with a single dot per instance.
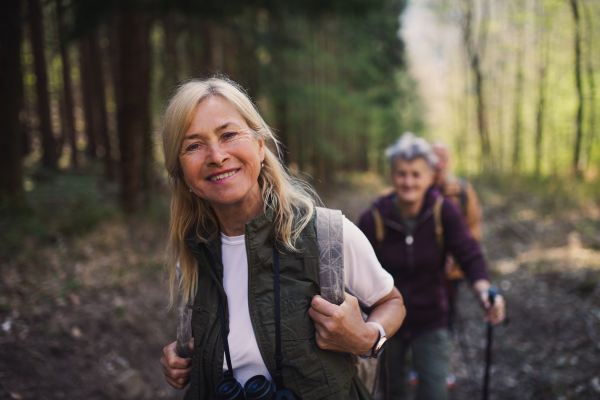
517 133
474 34
11 95
542 67
49 158
69 119
87 85
99 104
579 133
591 79
134 81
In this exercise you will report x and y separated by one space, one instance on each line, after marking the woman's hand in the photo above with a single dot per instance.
494 314
176 369
341 328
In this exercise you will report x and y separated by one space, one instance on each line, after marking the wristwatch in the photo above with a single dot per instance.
379 344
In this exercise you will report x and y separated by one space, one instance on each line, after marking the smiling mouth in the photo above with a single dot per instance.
223 176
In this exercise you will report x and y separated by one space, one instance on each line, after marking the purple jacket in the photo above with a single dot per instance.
417 265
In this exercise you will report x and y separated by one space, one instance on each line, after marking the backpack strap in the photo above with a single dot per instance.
379 226
330 238
437 218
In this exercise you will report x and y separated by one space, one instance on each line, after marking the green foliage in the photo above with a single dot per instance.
549 195
60 205
534 40
332 83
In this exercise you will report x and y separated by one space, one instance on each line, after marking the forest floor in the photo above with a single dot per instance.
83 304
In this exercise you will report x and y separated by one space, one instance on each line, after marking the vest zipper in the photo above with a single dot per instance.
409 238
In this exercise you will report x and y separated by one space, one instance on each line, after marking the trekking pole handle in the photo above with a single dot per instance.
492 293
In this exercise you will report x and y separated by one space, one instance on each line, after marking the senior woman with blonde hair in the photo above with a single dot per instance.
243 231
411 229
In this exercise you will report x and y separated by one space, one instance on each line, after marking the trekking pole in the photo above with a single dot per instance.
492 292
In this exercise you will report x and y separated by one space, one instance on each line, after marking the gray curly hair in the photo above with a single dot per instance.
409 147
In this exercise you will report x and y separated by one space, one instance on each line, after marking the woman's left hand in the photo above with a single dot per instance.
342 328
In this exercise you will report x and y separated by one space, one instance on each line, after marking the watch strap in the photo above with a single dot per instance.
381 335
378 326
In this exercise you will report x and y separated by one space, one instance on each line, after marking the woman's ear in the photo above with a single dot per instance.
261 149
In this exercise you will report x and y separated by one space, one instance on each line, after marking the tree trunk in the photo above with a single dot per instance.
170 77
89 111
539 130
516 154
591 81
99 104
207 29
69 120
579 134
43 103
474 41
482 122
133 112
11 94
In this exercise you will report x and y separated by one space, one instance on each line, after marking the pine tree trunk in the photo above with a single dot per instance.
99 104
133 112
43 103
11 98
69 119
89 111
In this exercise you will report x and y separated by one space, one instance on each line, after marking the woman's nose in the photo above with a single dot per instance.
216 155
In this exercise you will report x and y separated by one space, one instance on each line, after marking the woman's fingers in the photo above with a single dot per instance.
323 307
496 313
340 328
176 369
173 360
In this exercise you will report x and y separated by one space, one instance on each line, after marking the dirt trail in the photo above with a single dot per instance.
85 317
548 269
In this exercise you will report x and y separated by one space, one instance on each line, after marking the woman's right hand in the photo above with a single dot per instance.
176 369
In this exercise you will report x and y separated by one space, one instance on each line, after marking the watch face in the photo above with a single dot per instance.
380 347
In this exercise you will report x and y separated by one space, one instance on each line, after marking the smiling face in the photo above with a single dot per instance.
220 157
411 179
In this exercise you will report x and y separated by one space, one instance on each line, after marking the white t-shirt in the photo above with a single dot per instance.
364 276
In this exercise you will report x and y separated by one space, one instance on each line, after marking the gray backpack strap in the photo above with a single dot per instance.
330 238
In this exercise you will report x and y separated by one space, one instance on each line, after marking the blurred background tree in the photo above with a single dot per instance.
519 86
329 76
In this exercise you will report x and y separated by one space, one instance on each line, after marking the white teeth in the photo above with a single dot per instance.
222 176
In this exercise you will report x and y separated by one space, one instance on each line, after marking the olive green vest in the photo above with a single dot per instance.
331 374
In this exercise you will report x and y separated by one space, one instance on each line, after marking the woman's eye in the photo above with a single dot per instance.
192 147
229 135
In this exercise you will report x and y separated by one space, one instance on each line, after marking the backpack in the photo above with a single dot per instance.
330 239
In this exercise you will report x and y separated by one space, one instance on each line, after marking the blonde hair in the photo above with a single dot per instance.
291 199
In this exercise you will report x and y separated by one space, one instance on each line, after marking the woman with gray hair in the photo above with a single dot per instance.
411 230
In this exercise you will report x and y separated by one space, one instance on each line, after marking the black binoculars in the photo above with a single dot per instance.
256 388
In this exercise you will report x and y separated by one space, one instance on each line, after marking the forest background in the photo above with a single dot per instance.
509 85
